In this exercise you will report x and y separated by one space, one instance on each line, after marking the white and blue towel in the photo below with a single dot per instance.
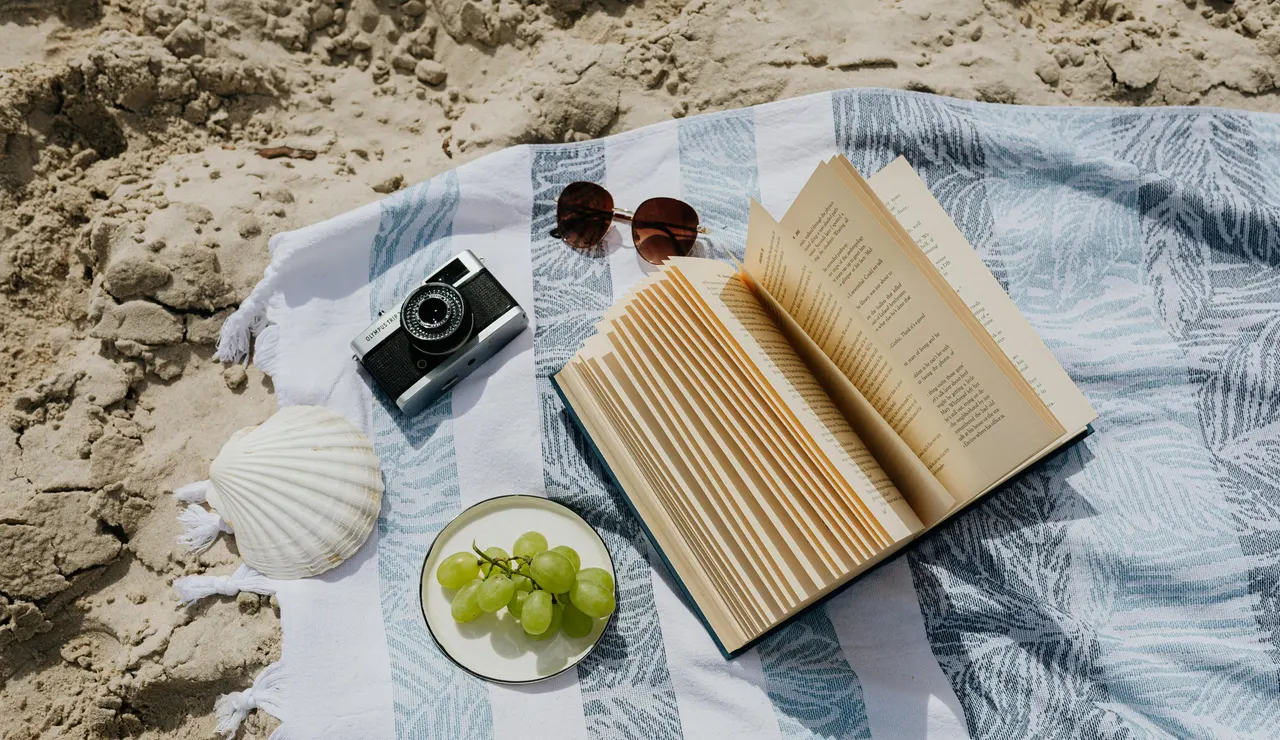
1128 588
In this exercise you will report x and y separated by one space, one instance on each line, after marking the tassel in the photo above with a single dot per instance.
193 588
251 317
193 493
247 321
266 693
200 527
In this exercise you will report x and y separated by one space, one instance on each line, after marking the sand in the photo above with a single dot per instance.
134 215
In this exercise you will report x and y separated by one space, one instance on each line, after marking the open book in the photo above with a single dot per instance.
782 427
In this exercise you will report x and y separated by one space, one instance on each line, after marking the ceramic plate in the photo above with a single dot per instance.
494 646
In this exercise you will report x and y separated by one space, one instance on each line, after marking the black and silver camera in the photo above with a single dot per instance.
456 319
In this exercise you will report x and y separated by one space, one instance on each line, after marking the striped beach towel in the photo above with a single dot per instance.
1129 588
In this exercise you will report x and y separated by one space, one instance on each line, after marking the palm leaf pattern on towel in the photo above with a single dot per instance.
1207 188
1089 566
625 683
936 136
432 697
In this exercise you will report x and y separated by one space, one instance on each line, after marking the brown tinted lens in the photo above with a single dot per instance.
583 214
664 227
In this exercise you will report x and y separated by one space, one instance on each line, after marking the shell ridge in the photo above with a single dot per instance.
303 491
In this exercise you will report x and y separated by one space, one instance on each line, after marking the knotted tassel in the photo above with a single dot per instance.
193 588
251 317
200 527
193 493
266 693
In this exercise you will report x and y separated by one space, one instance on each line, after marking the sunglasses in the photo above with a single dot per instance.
660 227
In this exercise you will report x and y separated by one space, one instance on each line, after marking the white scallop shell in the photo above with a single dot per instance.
301 491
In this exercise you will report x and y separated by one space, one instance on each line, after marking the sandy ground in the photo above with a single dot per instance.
134 215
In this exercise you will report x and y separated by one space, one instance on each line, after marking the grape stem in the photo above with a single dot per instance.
503 564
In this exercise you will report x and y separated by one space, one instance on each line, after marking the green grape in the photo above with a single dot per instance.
495 592
465 606
592 599
522 582
570 553
516 605
535 615
576 624
557 616
497 553
529 544
457 569
597 575
552 571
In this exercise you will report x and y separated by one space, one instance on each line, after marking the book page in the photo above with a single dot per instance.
835 267
929 499
703 438
909 200
711 600
769 454
803 481
691 343
741 313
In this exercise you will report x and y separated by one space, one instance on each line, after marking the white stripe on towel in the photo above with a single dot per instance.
333 633
497 423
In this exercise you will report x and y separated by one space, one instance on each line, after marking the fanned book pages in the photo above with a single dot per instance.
781 427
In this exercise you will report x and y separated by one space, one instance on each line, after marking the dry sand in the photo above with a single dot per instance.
134 215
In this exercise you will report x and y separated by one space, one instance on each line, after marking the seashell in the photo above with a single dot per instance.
301 491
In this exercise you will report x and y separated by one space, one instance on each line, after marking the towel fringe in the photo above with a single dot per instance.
200 527
193 588
193 493
250 318
266 693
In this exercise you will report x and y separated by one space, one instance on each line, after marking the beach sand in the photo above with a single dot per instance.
134 215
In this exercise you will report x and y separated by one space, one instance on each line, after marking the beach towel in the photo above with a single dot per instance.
1130 587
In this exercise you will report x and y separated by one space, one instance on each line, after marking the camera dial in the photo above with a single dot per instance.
436 318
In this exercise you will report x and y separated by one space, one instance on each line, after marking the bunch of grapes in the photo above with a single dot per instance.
542 587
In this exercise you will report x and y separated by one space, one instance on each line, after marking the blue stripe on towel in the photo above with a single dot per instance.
814 691
433 698
718 176
625 683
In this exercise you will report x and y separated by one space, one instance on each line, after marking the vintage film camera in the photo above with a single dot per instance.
456 319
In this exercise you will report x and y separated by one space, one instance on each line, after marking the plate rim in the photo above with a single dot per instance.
422 577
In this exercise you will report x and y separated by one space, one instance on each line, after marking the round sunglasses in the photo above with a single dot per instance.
660 227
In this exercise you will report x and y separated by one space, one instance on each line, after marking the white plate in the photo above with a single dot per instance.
494 646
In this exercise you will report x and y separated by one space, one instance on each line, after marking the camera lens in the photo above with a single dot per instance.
433 311
436 318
